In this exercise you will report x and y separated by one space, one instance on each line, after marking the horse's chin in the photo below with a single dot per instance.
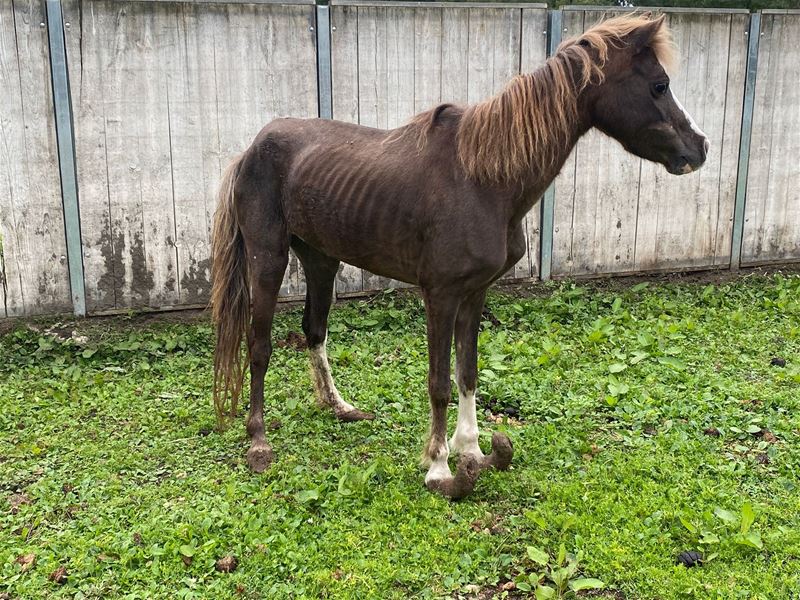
682 168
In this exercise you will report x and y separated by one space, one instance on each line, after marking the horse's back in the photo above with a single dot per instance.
375 198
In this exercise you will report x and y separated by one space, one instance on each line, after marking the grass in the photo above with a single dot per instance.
650 422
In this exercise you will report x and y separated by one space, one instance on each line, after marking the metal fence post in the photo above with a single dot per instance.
744 141
549 198
66 154
324 73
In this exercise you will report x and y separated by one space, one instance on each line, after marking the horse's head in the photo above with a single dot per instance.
628 95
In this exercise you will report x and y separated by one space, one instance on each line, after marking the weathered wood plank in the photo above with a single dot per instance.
565 183
534 54
345 77
33 267
732 130
194 146
772 212
122 140
428 34
386 59
455 56
480 53
169 94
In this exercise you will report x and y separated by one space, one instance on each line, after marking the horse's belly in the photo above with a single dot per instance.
362 231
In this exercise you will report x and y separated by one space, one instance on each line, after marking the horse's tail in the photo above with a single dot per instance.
230 297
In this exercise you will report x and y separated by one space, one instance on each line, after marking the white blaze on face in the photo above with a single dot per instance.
691 121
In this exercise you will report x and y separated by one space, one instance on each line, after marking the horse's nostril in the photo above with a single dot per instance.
706 145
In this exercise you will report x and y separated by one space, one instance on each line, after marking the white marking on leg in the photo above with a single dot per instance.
691 121
323 380
465 437
439 469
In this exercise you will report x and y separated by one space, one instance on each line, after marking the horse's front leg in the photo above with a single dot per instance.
441 311
465 438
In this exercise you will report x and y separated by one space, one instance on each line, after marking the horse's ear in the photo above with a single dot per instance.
641 37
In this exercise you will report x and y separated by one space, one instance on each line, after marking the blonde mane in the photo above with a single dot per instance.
527 123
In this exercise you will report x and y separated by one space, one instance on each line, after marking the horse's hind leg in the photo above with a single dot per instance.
320 271
267 268
266 241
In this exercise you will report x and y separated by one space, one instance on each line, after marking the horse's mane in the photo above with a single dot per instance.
523 126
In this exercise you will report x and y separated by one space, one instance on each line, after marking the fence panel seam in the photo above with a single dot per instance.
549 198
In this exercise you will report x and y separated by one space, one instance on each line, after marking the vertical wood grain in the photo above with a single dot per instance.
165 96
534 53
345 77
772 212
34 275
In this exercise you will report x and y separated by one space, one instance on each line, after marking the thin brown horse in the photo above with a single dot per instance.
436 203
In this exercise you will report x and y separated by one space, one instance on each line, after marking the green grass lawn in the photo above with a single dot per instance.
648 420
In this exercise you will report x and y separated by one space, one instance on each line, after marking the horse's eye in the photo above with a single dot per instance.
584 43
661 88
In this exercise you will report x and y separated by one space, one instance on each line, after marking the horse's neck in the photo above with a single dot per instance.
537 182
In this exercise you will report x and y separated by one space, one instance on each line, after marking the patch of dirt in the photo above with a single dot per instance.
490 525
499 408
487 315
9 325
121 319
17 500
508 589
607 594
621 281
293 340
768 436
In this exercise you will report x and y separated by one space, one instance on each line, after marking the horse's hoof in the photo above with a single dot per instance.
502 452
259 458
354 414
462 483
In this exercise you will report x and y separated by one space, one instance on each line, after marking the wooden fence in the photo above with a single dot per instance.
164 93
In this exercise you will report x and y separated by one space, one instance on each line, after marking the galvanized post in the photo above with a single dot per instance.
754 35
324 72
549 198
66 154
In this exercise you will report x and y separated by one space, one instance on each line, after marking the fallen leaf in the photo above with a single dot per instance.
18 500
226 564
26 561
59 576
768 436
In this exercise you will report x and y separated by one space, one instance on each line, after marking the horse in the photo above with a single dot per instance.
436 203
